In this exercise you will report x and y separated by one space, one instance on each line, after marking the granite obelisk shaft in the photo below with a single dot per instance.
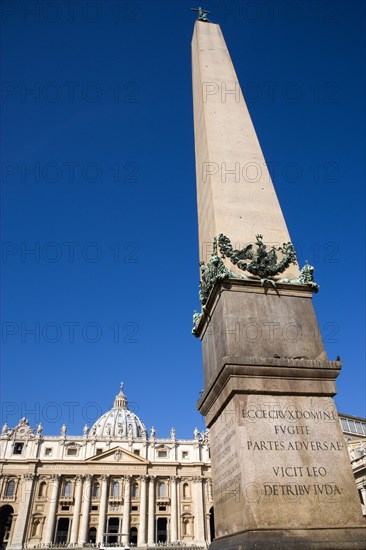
234 189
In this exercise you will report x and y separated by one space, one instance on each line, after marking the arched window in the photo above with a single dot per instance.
135 490
162 489
95 493
42 489
10 488
185 490
115 489
67 490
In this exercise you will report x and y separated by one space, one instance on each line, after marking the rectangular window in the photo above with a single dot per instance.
48 451
94 508
114 490
359 427
72 452
134 508
136 452
344 424
64 508
99 451
162 454
184 454
18 447
351 426
10 488
162 508
67 489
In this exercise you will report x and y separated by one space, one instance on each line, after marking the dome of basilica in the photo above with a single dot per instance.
119 421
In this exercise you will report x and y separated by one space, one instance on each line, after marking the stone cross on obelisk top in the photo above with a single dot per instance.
280 467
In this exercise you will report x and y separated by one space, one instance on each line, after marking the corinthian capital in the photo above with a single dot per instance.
29 476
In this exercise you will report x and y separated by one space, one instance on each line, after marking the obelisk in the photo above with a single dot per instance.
280 468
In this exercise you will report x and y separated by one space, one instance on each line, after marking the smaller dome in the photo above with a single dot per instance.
119 422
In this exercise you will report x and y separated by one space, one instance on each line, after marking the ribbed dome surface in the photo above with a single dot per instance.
119 421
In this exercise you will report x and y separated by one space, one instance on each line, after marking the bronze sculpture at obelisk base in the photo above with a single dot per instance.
280 468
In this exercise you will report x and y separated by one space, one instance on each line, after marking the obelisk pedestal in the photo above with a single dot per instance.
280 467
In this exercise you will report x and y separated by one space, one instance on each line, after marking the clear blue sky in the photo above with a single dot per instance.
96 100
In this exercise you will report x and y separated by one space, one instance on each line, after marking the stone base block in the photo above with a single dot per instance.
245 319
312 539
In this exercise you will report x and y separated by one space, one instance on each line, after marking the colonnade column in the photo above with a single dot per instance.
126 511
85 510
151 512
142 524
103 509
21 523
77 507
207 527
174 515
199 532
51 515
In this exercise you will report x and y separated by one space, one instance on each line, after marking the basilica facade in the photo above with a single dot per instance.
114 485
117 484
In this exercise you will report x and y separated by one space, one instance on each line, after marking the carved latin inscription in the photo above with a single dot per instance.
269 453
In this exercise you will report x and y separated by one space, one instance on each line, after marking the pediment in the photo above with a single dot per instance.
22 430
118 455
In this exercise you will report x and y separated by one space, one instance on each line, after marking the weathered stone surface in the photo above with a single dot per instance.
246 319
294 539
280 462
235 193
267 377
